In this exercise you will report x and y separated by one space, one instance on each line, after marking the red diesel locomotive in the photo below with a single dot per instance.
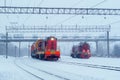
45 49
81 51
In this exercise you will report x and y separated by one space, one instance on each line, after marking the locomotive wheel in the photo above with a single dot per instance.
56 59
32 55
78 55
41 56
72 55
37 56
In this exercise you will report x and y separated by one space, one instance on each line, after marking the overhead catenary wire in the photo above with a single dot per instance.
99 3
27 18
70 16
77 3
40 2
28 15
115 22
7 16
24 21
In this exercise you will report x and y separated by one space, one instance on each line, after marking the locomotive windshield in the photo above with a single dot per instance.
51 43
86 46
40 44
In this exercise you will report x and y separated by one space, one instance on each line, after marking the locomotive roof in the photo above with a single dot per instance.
81 44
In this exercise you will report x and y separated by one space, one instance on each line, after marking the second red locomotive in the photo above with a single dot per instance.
45 49
81 51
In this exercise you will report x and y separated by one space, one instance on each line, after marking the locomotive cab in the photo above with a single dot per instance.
45 49
51 50
81 51
39 47
85 51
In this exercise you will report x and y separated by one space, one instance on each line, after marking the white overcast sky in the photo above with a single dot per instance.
33 19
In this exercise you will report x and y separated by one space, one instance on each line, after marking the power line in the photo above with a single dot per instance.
70 16
40 2
77 3
66 19
115 22
30 15
98 4
75 15
7 16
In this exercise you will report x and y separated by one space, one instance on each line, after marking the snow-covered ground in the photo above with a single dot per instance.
56 70
9 71
94 60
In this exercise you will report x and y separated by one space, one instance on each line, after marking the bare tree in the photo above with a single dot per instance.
116 51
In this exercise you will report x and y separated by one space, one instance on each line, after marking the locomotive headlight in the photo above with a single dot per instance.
52 39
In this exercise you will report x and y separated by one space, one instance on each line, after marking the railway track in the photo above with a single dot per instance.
93 66
63 78
40 70
38 77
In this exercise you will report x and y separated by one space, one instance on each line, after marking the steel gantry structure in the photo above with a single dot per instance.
58 29
47 10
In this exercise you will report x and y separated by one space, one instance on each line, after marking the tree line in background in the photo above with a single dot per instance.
13 50
102 50
116 51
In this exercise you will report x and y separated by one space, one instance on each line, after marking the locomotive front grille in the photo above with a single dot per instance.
52 52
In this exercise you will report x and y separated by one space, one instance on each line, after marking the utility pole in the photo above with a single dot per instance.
97 47
29 50
6 45
108 44
15 50
19 48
